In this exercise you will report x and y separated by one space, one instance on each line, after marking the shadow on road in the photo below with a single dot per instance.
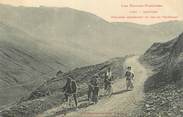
120 92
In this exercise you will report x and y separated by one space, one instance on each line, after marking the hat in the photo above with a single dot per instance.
129 67
59 72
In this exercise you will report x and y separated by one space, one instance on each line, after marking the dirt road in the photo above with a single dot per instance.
122 102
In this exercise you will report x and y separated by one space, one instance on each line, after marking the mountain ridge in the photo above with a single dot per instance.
92 29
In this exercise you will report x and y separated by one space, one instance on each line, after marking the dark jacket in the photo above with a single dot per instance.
70 87
73 86
129 75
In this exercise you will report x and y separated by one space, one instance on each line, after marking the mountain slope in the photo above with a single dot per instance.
81 32
24 63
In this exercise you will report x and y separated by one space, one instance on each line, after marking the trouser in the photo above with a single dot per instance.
95 94
129 84
74 96
109 88
105 85
90 92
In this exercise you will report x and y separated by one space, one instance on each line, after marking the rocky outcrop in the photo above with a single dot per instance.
167 61
164 91
166 101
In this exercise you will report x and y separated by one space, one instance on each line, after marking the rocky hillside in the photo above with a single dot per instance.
164 91
166 58
81 75
50 93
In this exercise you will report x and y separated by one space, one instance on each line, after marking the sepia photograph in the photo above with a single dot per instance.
91 58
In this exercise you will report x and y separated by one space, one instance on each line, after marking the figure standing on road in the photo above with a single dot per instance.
107 82
109 90
95 89
129 77
90 89
70 89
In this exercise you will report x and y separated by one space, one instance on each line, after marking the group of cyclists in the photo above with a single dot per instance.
70 88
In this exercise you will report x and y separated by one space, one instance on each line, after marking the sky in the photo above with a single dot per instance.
115 10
